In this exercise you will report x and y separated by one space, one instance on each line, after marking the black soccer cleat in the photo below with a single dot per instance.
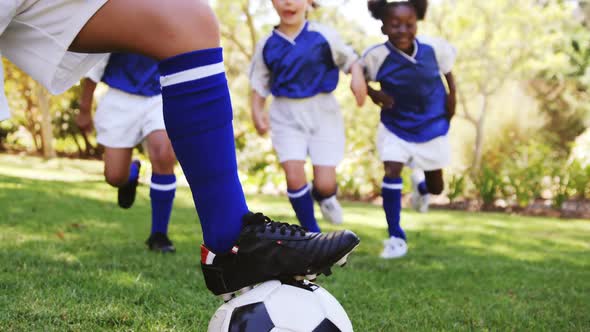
269 250
160 242
126 194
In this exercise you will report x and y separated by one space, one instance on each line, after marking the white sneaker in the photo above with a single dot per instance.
419 202
331 210
394 247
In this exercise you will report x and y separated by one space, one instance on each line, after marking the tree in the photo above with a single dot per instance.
498 41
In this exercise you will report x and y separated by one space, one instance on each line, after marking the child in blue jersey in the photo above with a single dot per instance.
129 113
298 64
51 41
416 108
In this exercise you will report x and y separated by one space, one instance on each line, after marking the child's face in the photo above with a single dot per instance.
400 25
291 12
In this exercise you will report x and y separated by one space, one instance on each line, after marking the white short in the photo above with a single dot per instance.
124 120
428 156
308 127
36 34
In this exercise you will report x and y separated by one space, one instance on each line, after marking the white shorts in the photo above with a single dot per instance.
36 34
124 120
308 127
428 156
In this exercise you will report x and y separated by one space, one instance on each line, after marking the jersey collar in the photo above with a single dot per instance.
411 58
289 39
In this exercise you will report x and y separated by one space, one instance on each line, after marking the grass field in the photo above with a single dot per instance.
71 260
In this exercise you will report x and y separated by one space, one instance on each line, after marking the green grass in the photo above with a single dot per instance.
71 260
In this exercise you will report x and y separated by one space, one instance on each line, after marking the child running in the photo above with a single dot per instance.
416 108
298 64
50 40
129 113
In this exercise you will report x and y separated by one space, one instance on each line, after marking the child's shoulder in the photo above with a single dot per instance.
376 50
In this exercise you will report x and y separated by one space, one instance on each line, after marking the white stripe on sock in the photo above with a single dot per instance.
163 187
394 186
300 193
192 74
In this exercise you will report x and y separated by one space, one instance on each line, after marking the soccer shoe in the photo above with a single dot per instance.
394 247
160 242
331 210
420 202
267 250
126 194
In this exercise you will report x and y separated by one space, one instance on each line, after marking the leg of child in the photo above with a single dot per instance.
435 182
392 197
116 166
163 184
300 194
324 192
197 105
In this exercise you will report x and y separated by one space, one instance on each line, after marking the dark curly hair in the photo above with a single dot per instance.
378 8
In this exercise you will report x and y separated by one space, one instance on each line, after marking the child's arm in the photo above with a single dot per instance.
358 85
259 115
84 118
452 96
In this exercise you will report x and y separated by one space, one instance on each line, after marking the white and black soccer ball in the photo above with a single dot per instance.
277 307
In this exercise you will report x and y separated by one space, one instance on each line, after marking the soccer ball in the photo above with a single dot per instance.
274 306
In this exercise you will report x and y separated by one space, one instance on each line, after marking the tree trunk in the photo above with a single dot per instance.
479 135
46 128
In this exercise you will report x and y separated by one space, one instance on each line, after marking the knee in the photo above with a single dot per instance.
115 178
189 22
436 188
324 188
163 157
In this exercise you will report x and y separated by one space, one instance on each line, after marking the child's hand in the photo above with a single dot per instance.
261 122
451 106
381 99
84 121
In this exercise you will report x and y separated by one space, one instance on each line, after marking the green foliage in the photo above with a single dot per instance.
579 179
488 183
456 186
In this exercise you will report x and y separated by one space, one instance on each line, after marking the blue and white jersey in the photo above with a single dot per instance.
132 73
415 83
300 67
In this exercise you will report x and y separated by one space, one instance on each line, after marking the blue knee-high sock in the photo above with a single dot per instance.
133 171
392 204
198 117
422 188
302 203
162 191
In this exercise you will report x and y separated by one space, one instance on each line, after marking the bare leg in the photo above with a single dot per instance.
324 180
160 152
295 174
159 29
116 165
435 182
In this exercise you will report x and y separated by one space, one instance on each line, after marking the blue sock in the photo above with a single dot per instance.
302 203
162 191
422 188
392 204
133 171
198 117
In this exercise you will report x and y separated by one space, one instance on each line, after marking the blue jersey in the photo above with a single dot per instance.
300 67
132 73
415 83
